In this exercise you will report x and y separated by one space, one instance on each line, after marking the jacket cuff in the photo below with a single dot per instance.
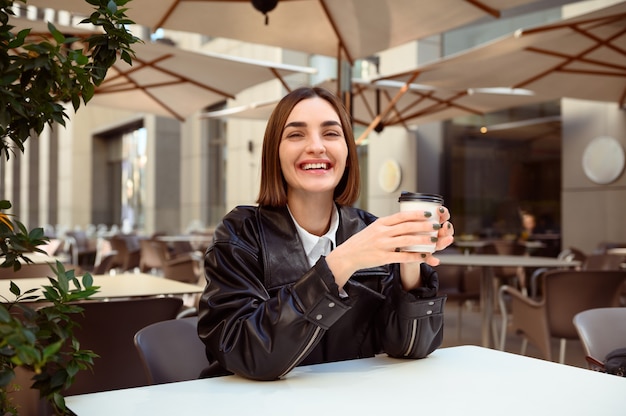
318 296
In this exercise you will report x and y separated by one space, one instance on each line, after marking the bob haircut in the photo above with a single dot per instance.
273 190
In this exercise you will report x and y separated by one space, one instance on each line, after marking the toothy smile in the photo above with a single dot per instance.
319 165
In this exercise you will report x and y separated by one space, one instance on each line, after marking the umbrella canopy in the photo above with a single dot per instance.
358 28
581 57
385 102
169 81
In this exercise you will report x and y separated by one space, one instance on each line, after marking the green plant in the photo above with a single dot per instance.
40 339
36 77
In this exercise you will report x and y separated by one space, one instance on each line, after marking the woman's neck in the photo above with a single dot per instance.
312 214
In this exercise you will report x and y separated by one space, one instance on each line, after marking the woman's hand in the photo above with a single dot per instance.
379 243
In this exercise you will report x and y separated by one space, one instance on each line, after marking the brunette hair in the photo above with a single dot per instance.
273 190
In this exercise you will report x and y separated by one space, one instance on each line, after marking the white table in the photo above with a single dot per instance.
467 380
488 262
113 286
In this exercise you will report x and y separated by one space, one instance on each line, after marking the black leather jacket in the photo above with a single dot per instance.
265 311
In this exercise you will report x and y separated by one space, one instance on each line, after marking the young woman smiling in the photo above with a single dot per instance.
303 277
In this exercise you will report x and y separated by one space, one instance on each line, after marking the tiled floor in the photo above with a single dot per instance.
471 335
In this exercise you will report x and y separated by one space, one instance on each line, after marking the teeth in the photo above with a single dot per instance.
308 166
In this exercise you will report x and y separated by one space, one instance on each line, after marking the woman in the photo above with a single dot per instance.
303 277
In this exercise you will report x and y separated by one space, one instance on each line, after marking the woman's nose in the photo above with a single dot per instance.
316 144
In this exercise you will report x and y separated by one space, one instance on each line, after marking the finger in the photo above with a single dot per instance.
444 214
407 216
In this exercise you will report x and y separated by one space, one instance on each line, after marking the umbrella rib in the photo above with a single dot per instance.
489 10
397 118
342 45
165 106
280 78
153 64
379 117
443 105
167 14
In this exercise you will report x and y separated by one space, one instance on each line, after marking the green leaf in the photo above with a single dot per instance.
14 289
87 280
52 349
58 36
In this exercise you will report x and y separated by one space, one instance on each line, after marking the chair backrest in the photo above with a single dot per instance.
107 262
108 328
601 330
128 251
171 350
602 262
568 292
150 257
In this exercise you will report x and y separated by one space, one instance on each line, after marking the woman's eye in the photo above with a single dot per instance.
332 133
294 135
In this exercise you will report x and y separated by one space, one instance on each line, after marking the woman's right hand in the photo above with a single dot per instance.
378 243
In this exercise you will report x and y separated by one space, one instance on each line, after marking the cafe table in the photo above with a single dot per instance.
123 285
464 380
487 262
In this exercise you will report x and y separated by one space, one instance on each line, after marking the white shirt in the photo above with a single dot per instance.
316 246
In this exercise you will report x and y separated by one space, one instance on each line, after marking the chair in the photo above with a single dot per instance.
150 259
106 263
460 284
108 328
602 262
564 294
507 275
601 330
171 350
128 251
184 268
82 249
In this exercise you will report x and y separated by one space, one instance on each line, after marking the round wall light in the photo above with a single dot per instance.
603 160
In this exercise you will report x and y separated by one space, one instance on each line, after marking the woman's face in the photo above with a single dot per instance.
313 149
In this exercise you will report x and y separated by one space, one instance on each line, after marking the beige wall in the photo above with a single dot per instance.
591 213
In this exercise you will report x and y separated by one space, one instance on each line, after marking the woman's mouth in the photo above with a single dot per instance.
315 166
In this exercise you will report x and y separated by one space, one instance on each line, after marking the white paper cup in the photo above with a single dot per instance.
410 201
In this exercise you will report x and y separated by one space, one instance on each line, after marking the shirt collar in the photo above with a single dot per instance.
309 241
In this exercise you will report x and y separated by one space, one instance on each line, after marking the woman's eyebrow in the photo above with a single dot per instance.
303 124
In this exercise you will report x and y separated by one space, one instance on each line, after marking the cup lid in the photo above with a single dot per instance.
416 196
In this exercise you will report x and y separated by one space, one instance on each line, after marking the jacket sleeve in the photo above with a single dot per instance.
412 323
252 332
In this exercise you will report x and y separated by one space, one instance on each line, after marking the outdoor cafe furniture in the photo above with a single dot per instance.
465 380
564 294
490 261
114 286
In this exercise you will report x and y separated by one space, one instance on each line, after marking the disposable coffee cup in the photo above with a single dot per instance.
411 201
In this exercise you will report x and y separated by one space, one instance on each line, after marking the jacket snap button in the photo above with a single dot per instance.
429 312
331 305
318 317
431 303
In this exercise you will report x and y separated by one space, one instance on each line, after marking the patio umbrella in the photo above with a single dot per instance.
581 57
354 28
169 81
419 103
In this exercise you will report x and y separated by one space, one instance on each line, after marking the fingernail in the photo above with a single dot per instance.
428 214
436 226
449 226
441 210
433 239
